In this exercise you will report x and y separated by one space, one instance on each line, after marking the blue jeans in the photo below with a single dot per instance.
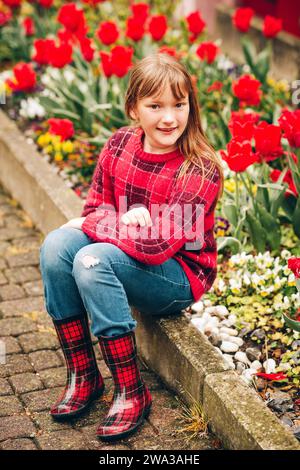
83 276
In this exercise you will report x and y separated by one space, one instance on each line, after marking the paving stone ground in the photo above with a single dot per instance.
33 373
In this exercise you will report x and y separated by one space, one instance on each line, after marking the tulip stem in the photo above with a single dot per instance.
249 190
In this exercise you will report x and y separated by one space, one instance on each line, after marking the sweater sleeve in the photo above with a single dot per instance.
101 189
176 224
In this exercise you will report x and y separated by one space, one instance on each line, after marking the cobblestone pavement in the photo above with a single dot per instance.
33 372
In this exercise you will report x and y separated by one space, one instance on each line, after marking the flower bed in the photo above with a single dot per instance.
65 89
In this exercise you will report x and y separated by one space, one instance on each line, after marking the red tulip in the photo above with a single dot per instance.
272 26
62 127
289 122
288 178
242 19
246 89
118 62
207 51
108 32
241 125
294 265
277 377
42 47
196 25
93 3
216 86
239 155
12 3
134 28
24 78
87 49
5 17
267 141
70 17
158 27
168 50
140 11
46 3
66 36
60 55
28 26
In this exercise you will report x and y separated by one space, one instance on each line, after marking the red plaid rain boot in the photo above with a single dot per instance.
84 381
131 400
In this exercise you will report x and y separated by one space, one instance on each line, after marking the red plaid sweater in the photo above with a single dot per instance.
124 169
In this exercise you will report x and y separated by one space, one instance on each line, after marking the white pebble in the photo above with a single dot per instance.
211 309
232 318
241 357
226 323
206 316
248 374
222 310
198 306
207 303
225 337
219 350
269 366
199 323
227 346
256 365
237 340
228 331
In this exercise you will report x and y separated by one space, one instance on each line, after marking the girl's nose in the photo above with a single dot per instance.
168 119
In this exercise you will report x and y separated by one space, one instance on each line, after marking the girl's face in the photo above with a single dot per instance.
163 119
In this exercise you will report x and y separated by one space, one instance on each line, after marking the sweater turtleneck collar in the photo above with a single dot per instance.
152 157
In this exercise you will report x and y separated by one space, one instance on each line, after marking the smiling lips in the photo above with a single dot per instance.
168 130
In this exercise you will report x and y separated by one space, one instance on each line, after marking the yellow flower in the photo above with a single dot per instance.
67 146
44 139
55 139
291 283
58 157
254 189
57 146
271 82
49 149
220 233
229 185
235 290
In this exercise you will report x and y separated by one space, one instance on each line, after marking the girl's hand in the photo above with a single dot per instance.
74 223
137 216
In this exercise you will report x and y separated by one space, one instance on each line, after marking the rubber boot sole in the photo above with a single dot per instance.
122 435
80 411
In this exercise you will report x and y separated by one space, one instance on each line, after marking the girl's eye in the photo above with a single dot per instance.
179 105
153 106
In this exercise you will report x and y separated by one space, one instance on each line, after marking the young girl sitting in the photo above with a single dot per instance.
112 258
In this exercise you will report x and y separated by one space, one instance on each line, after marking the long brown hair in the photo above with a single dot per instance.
148 78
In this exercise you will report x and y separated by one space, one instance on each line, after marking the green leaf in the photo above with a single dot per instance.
230 212
231 242
271 226
257 232
296 218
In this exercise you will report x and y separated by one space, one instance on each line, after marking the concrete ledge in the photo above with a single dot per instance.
285 46
173 348
241 417
30 180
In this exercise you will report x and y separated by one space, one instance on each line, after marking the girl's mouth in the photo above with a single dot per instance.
168 130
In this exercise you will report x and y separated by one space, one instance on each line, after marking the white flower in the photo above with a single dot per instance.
69 75
285 254
224 63
83 87
31 108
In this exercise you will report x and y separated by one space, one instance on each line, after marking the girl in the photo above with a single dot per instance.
112 258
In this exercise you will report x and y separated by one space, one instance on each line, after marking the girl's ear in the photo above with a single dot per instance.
133 114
